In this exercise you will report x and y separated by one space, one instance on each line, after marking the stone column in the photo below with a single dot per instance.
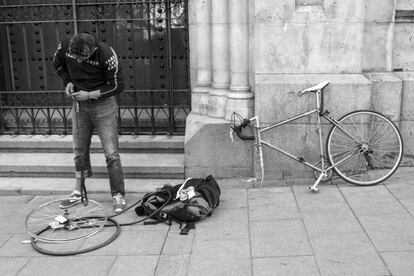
202 30
378 36
240 99
220 58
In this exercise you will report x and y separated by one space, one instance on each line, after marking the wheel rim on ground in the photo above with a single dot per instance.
375 156
101 239
50 223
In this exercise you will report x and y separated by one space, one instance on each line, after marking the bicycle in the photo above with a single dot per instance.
363 147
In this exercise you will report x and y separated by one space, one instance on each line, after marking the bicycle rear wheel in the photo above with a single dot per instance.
50 223
366 148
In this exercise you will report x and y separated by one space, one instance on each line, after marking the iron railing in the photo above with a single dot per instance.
32 112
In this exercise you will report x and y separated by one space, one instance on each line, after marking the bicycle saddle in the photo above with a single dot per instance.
315 88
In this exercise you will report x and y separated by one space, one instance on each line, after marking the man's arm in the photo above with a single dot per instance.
113 74
59 62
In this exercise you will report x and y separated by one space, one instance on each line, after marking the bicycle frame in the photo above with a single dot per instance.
323 169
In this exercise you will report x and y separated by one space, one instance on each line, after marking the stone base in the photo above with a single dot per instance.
386 94
209 149
407 133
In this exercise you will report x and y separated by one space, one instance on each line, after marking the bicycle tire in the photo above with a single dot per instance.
375 149
68 224
62 249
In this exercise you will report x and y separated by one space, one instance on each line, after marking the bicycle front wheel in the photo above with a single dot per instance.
365 147
50 223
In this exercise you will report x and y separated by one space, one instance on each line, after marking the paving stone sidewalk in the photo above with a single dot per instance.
342 230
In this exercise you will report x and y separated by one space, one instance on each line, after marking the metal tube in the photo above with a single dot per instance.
289 120
10 58
150 61
169 74
26 53
80 4
334 122
75 17
340 162
79 20
44 71
261 160
292 156
318 102
321 148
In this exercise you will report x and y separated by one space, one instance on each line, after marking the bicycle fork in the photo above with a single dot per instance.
259 148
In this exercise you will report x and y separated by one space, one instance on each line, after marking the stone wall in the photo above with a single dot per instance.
297 39
378 36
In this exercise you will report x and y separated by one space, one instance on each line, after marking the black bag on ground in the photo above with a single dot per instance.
184 203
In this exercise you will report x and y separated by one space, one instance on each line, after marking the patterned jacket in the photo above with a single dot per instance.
100 71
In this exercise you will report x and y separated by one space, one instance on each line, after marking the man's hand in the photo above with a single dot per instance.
81 95
94 94
69 88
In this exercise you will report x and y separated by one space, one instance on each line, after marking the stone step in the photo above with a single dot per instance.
63 143
135 165
63 186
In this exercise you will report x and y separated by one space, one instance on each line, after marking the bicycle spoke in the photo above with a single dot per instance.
392 150
39 224
385 145
37 229
344 146
387 157
356 127
378 141
377 130
347 136
50 223
353 167
370 134
378 161
342 153
347 142
86 210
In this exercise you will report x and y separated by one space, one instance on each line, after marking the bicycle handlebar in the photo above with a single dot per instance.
238 130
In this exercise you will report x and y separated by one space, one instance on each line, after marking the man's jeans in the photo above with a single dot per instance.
101 115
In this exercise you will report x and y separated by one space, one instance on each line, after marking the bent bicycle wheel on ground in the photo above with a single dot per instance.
366 147
101 239
50 223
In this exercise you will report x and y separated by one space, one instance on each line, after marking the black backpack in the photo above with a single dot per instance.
184 203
